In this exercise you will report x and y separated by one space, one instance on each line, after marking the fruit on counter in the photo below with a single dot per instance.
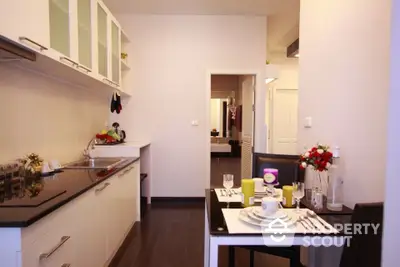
108 136
114 135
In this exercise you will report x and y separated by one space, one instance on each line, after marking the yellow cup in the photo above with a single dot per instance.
247 192
287 196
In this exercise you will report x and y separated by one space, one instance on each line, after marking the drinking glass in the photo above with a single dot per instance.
298 193
228 182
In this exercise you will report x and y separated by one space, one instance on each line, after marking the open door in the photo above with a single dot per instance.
247 89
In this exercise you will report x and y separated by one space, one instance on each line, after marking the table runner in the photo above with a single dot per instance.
237 226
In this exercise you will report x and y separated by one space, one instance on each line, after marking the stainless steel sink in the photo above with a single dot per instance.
96 163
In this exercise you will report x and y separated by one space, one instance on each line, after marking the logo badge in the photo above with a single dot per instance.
277 233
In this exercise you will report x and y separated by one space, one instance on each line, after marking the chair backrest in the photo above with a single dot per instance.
287 165
365 248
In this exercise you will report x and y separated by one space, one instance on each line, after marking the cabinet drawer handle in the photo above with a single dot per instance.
102 188
74 64
126 171
41 47
110 82
122 173
84 68
48 254
66 265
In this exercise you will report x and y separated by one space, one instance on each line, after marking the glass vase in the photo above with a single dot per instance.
335 190
317 190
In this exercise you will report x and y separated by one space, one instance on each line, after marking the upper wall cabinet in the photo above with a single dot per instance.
82 34
115 52
108 45
71 33
85 42
60 29
26 22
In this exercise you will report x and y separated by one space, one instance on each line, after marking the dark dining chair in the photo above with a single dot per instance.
288 172
288 167
365 248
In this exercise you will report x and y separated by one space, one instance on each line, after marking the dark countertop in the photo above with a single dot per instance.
75 182
218 227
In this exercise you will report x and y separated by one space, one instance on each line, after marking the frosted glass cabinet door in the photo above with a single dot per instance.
85 33
59 26
102 41
115 53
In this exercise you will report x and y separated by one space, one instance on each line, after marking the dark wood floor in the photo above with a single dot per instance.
172 235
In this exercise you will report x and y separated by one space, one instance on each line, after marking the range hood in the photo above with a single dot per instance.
293 49
10 51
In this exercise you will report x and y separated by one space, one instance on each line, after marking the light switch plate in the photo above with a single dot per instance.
195 123
308 122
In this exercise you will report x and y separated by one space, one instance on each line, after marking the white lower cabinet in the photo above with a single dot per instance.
87 231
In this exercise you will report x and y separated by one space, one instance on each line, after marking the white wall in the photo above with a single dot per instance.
343 86
45 116
171 58
391 229
288 74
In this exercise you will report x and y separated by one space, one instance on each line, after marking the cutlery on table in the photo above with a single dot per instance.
303 223
308 220
312 214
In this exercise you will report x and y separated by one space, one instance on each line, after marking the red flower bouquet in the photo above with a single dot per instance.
319 157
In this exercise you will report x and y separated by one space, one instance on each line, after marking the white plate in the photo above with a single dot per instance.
280 214
253 216
243 216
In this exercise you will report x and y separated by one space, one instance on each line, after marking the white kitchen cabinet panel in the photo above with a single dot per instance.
60 26
26 22
115 52
85 43
103 39
91 251
82 34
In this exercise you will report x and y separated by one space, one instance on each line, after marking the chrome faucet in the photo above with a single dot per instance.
90 146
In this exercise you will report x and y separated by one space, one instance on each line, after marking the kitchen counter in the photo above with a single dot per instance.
135 144
74 182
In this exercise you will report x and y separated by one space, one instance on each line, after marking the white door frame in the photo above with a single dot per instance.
272 92
259 130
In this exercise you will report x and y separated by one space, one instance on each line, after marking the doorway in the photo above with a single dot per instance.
283 105
232 127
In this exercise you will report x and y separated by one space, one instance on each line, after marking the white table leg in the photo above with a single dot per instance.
213 252
311 256
206 240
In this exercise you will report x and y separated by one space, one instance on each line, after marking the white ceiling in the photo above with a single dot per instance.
198 7
283 15
283 29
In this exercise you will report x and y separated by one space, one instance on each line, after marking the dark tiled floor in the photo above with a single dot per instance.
173 236
219 166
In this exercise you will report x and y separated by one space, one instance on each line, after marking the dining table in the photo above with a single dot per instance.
226 225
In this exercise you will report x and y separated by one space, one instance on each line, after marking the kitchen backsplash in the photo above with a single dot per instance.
42 115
